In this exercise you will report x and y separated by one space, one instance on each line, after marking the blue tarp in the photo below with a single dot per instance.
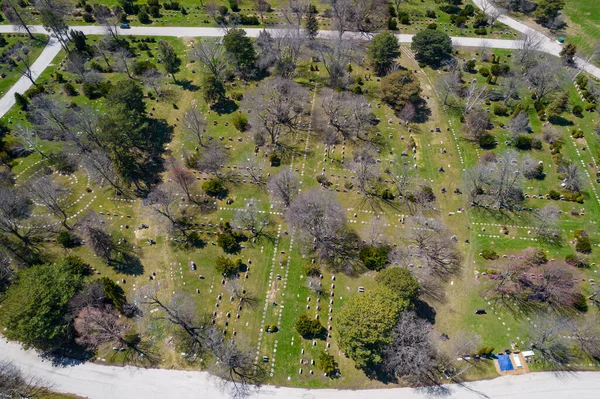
505 363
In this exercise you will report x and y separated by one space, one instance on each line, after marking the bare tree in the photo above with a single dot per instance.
253 166
251 219
294 11
511 86
22 62
473 95
18 16
336 56
30 139
317 215
6 271
239 373
529 43
184 179
522 285
95 326
52 196
477 123
546 335
430 245
165 202
281 50
211 54
123 58
348 114
497 184
365 16
153 78
182 312
284 186
546 223
15 384
587 335
365 169
261 6
15 209
544 78
194 123
519 124
54 15
91 296
411 353
277 107
572 177
212 159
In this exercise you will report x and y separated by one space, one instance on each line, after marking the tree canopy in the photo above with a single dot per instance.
382 52
432 47
35 305
400 281
365 323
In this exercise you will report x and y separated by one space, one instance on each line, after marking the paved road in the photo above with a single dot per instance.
106 382
42 62
48 54
548 45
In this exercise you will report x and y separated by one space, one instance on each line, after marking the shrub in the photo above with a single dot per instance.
432 25
580 302
583 245
577 109
555 195
480 31
307 327
523 142
87 17
226 267
392 24
214 188
487 141
577 133
576 261
430 14
274 159
237 96
536 144
326 363
387 195
499 69
500 110
240 122
489 254
142 66
311 270
374 258
143 17
484 71
69 89
62 163
21 101
66 240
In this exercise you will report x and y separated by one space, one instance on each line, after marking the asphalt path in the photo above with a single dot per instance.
96 381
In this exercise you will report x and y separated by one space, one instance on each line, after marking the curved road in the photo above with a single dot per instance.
7 101
96 381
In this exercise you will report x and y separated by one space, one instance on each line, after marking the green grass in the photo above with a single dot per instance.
452 315
583 22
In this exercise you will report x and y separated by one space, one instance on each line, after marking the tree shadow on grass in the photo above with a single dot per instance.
559 120
188 85
127 264
425 311
226 106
